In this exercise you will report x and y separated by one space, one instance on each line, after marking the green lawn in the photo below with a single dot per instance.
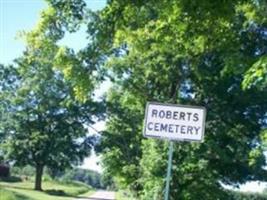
52 191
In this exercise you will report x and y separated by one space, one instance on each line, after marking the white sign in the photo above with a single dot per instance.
174 122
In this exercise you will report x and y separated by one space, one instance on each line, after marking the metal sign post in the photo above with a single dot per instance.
169 170
174 122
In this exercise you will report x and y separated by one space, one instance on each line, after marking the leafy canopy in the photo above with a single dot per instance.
199 53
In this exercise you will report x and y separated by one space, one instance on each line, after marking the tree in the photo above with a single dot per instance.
47 126
119 142
166 55
82 67
9 79
256 76
52 104
191 52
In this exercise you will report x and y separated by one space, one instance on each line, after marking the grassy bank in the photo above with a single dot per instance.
52 190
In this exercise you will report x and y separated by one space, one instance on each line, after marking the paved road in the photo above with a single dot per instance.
100 195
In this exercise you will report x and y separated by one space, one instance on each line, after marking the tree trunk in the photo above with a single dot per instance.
38 177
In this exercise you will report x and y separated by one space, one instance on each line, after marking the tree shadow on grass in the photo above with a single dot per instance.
15 187
49 192
17 195
92 198
21 197
58 193
62 193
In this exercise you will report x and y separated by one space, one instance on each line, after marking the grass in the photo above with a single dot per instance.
52 190
6 195
9 195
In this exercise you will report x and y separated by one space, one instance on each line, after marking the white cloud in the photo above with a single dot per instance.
92 163
253 186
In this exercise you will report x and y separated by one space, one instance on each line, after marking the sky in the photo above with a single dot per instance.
18 15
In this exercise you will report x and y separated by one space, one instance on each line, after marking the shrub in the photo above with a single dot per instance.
4 171
11 179
26 171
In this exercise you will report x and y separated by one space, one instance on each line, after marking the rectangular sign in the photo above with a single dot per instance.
174 122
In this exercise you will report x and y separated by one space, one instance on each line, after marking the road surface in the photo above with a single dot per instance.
100 195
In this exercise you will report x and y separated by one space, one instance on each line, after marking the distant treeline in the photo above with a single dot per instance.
89 177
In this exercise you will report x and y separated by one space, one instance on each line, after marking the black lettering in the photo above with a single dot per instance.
161 114
171 128
189 115
177 128
164 127
189 129
148 126
195 116
154 113
175 115
182 115
197 128
168 114
156 127
183 130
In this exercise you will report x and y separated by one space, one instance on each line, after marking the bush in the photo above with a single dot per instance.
26 171
46 178
11 179
4 171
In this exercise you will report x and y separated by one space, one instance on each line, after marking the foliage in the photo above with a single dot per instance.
189 52
48 109
44 115
123 155
108 182
8 83
161 52
58 18
257 74
25 171
123 195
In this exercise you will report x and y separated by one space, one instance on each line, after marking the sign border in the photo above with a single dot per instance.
180 106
